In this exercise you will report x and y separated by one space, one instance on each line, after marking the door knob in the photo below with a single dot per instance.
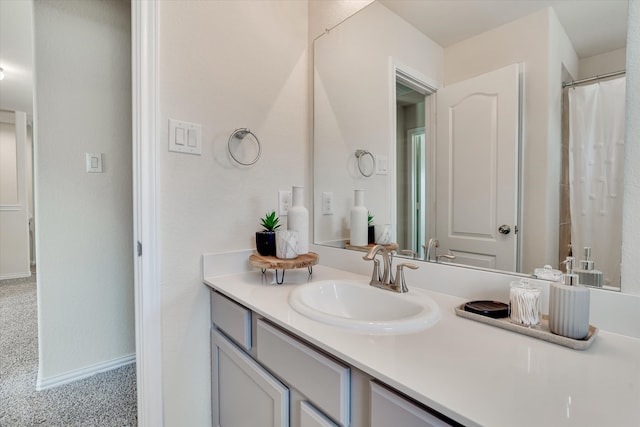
504 229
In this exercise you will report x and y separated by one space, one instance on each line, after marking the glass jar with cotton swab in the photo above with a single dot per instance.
524 303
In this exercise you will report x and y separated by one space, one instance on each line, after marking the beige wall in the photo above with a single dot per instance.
84 231
225 65
604 63
353 87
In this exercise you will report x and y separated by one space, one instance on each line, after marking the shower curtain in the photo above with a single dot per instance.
596 157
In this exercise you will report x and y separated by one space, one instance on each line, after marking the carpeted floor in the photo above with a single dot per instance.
106 399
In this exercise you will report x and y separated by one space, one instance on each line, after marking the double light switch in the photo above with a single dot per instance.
185 137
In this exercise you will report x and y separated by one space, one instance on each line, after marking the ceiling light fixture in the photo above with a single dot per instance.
1 73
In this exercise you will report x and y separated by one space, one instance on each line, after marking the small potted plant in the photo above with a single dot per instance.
266 239
371 230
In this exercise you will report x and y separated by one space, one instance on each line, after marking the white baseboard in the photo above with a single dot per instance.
15 275
78 374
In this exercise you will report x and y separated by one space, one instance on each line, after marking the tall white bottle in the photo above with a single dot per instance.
298 219
358 226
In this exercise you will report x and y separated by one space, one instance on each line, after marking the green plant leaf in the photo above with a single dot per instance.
270 222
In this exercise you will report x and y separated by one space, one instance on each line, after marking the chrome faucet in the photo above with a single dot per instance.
430 249
376 278
386 279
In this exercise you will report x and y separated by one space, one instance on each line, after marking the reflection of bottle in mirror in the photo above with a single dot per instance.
298 219
358 224
587 273
569 306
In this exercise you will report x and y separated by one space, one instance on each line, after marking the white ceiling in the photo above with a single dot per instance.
16 90
593 26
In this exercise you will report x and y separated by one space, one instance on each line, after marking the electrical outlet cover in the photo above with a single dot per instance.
284 201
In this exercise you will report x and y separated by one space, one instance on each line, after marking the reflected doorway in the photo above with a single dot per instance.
414 151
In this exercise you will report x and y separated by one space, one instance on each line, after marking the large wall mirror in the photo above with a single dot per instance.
458 108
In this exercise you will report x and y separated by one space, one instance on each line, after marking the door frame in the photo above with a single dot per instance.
144 57
420 83
418 223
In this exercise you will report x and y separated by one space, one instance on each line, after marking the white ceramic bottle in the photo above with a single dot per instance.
569 306
358 224
298 219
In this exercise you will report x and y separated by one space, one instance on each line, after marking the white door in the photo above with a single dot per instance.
477 169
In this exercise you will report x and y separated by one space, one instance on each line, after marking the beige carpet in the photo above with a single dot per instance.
106 399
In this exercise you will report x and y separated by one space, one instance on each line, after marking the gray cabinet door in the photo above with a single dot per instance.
243 392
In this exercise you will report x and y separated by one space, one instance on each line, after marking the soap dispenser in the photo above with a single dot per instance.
587 273
569 305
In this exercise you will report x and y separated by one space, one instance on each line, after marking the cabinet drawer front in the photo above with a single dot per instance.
321 379
243 393
391 409
232 318
311 417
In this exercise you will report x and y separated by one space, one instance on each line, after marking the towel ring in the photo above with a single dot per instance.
240 134
359 155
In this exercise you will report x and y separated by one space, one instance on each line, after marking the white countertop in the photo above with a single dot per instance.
474 373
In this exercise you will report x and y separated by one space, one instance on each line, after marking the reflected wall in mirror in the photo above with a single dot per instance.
358 104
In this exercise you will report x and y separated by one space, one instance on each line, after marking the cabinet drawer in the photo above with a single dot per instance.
321 379
391 409
232 318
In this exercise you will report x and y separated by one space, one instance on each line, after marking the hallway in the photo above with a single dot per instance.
105 399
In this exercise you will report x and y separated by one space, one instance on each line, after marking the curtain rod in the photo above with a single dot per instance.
592 79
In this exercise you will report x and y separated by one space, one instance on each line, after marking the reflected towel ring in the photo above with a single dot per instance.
359 155
240 133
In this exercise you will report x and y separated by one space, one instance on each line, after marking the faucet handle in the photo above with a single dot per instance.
400 281
376 277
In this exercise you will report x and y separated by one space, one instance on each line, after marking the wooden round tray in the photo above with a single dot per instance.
272 263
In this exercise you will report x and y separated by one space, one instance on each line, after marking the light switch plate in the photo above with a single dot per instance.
94 162
185 137
327 203
382 165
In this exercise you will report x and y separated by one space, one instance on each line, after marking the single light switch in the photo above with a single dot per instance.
94 162
192 140
382 165
179 136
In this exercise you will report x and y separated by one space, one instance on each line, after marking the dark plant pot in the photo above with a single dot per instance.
372 234
266 243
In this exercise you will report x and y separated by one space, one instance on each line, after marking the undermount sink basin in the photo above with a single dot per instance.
358 305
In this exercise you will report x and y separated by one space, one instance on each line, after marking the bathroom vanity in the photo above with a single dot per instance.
274 366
